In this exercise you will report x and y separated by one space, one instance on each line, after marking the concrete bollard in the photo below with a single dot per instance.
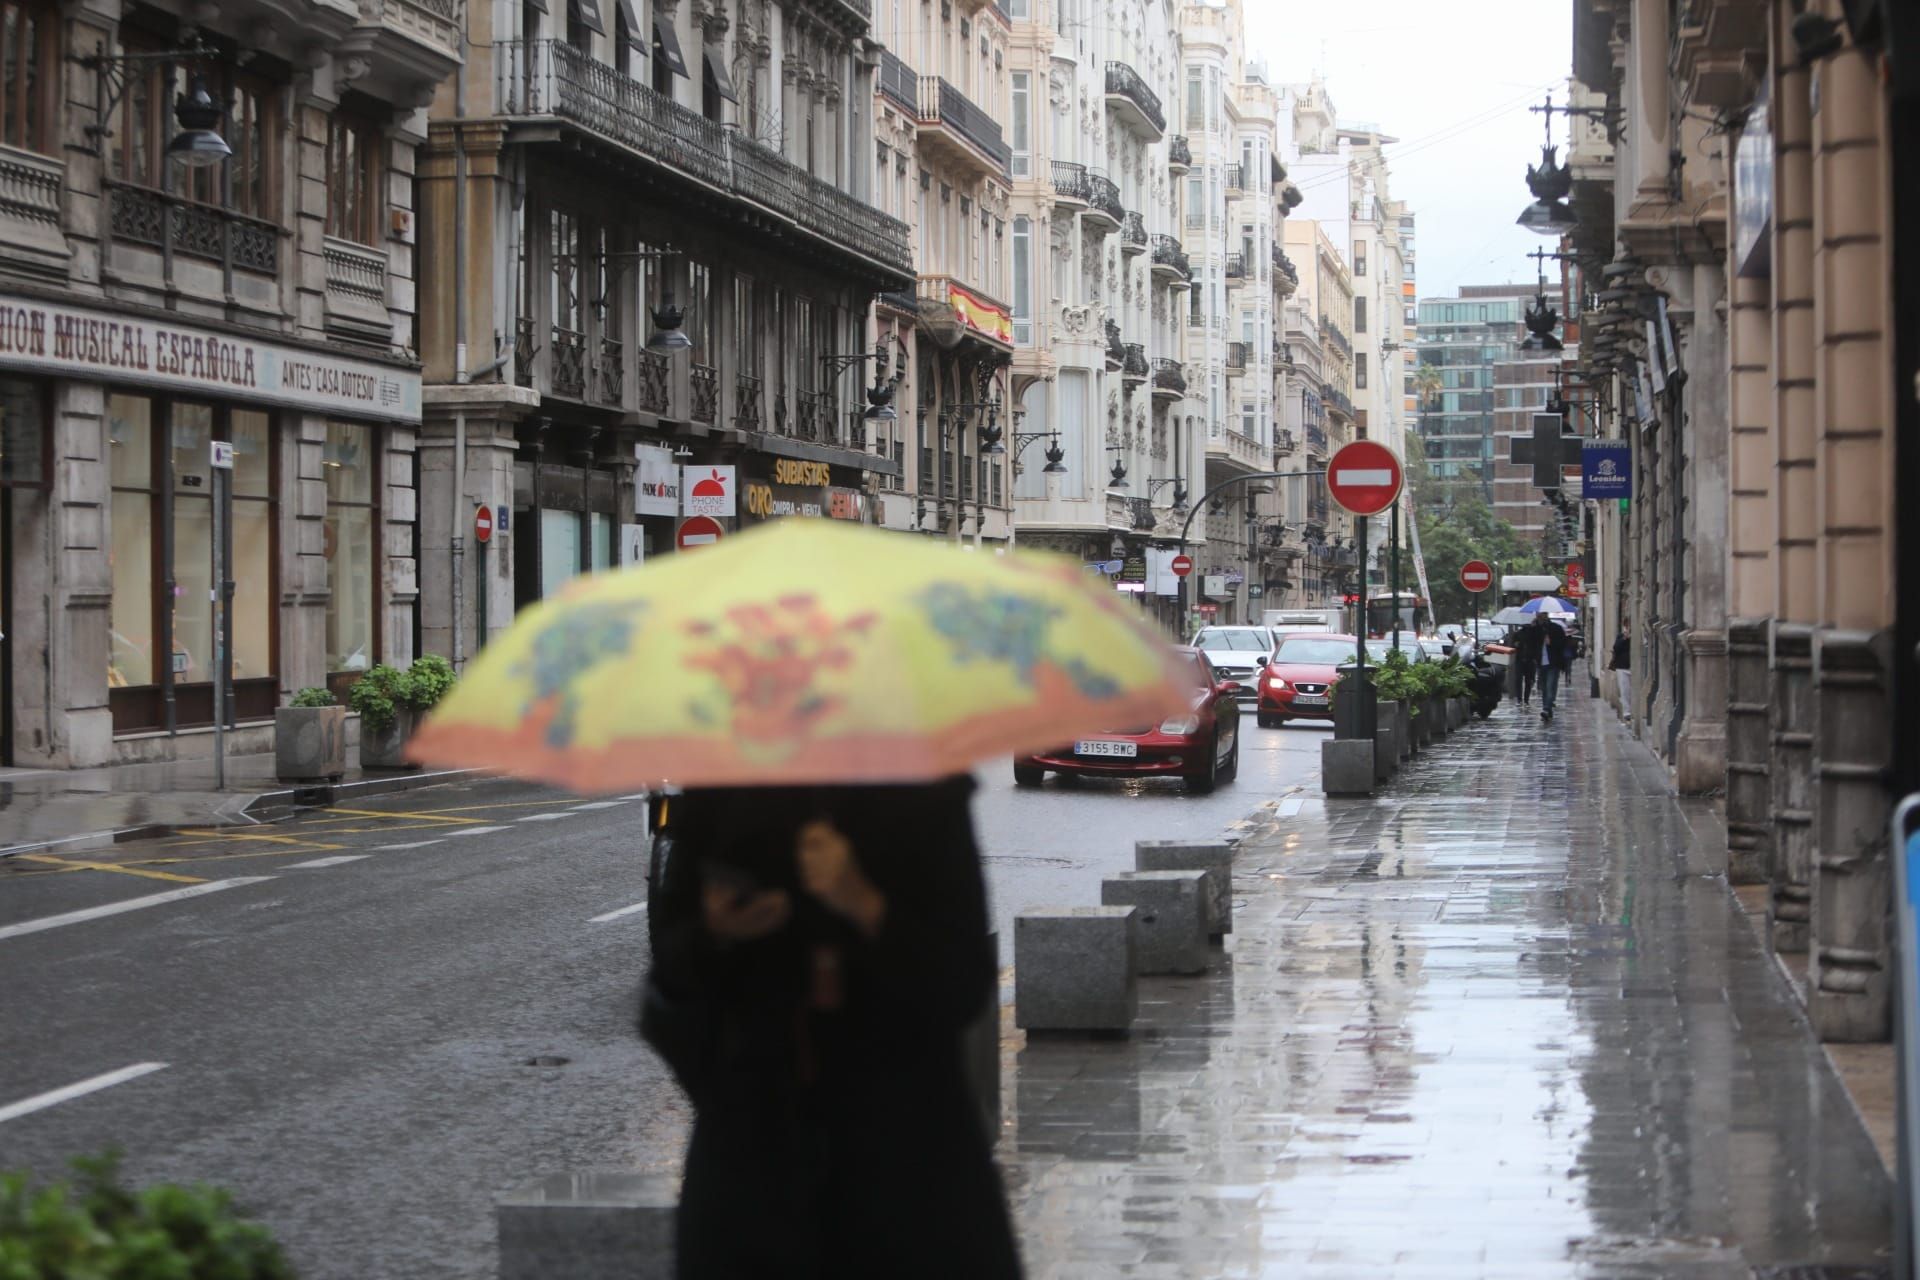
1386 749
1169 927
1346 768
589 1226
1074 969
1215 857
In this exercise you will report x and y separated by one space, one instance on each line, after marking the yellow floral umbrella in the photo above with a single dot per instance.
804 651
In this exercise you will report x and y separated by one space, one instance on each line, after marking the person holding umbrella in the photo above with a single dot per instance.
818 693
1555 649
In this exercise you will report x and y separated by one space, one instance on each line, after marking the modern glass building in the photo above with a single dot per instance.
1463 338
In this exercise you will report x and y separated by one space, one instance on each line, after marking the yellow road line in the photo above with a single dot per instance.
74 865
215 837
427 817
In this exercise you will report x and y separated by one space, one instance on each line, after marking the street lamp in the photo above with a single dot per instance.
1551 183
1056 456
198 113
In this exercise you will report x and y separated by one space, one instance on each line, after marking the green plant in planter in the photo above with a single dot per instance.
314 696
102 1231
1397 680
1453 679
432 677
378 695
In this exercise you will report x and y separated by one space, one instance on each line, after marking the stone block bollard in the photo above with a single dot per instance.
1346 768
589 1226
1170 932
1215 857
1386 755
1074 969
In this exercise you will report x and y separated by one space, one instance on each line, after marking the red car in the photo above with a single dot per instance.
1201 747
1297 682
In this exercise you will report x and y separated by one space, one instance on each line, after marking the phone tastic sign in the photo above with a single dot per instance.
1364 477
709 491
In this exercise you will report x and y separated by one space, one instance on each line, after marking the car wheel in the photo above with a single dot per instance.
1028 776
1269 722
1203 784
1231 769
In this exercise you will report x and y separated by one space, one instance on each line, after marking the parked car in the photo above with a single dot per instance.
1201 747
1377 650
1237 653
1298 681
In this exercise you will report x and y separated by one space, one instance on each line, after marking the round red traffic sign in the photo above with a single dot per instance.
482 523
1476 576
1364 477
1181 566
698 531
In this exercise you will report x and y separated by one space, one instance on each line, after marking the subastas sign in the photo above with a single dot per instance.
74 342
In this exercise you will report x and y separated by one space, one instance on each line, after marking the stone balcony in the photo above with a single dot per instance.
1134 104
33 243
1169 379
415 41
953 128
1170 261
1179 154
551 92
356 292
1133 234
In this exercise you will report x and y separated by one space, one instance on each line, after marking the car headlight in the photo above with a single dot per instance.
1276 683
1179 725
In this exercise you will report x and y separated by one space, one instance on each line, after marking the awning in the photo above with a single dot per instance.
716 60
631 20
666 45
589 11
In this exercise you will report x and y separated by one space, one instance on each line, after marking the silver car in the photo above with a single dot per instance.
1237 653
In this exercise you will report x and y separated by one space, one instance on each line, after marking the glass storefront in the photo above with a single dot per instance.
162 651
352 546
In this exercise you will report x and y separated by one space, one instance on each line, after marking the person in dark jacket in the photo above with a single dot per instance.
1555 647
823 951
1620 664
1526 659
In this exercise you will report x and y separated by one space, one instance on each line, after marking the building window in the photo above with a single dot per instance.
1196 100
353 180
246 183
1359 257
29 44
1360 376
1022 281
1359 315
161 639
1021 125
352 546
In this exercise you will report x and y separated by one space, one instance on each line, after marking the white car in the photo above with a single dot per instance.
1237 653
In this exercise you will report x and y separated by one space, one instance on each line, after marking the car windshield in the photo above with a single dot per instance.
1243 639
1381 648
1315 650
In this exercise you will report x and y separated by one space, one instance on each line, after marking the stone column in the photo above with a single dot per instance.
400 575
1848 979
303 552
1648 117
1790 658
1750 583
1700 757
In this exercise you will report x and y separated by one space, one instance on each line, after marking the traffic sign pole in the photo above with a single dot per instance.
482 538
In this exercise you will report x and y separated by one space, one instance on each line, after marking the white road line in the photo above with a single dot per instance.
318 863
597 804
635 909
472 831
543 817
411 844
130 904
638 795
41 1101
1290 808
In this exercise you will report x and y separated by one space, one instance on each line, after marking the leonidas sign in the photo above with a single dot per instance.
71 342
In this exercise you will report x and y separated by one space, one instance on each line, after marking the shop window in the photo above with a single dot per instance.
162 637
29 45
354 200
352 545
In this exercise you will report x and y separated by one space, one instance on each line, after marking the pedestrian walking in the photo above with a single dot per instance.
1556 659
1619 664
822 951
1526 657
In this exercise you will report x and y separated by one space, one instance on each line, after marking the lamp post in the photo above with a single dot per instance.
198 144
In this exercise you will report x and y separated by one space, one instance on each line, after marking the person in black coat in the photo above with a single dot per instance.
1555 648
1526 659
820 952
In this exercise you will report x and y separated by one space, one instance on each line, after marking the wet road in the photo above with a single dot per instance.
352 1019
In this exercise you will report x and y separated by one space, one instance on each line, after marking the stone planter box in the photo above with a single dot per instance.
1403 731
1442 721
1422 728
310 744
387 749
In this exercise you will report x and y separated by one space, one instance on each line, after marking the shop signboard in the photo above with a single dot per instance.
176 355
1606 469
709 490
656 483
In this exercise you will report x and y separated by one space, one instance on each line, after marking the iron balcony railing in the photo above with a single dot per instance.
1331 330
1236 357
1234 177
552 78
1070 181
1133 233
1126 82
1116 349
899 84
1179 154
704 381
1236 267
1316 438
1142 514
1284 265
568 366
1169 375
1104 195
942 103
1135 368
1168 253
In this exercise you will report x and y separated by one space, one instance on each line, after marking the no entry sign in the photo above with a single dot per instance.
698 531
1181 566
1364 477
1476 576
482 523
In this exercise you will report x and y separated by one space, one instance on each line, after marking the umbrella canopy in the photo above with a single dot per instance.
1520 615
804 651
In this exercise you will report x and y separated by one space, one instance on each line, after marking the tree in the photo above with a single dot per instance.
1457 525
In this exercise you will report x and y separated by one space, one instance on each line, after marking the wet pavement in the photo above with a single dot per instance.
1503 1020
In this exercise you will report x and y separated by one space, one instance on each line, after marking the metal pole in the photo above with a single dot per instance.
480 596
219 629
1393 573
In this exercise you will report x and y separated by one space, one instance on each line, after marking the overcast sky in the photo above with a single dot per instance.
1452 80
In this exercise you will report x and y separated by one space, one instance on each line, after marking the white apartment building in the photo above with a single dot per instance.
1101 449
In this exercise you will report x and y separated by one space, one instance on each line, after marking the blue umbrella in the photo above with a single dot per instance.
1520 615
